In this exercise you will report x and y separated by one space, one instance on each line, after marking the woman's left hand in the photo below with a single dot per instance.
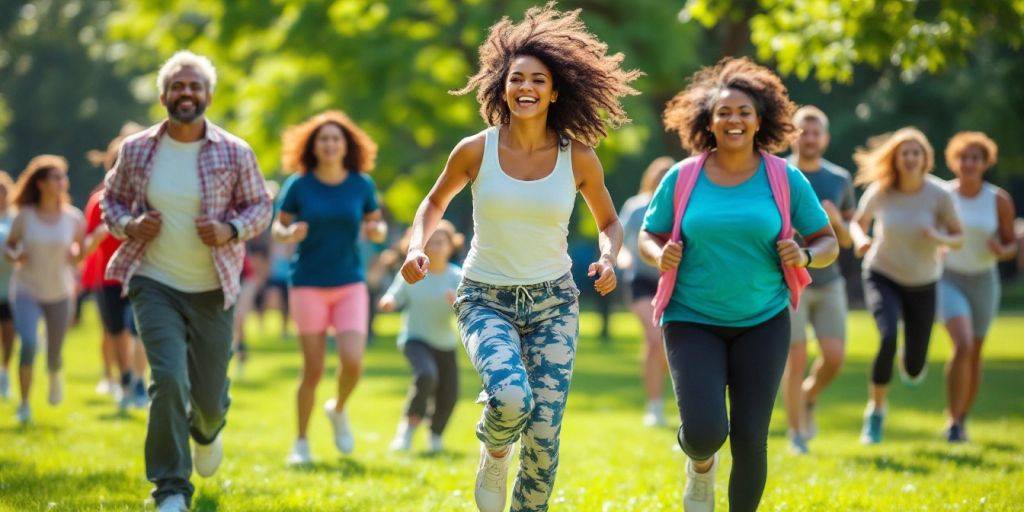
606 280
791 254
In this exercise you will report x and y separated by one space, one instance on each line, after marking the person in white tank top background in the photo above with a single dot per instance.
44 244
542 86
968 293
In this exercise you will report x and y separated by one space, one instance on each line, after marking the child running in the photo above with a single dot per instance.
428 340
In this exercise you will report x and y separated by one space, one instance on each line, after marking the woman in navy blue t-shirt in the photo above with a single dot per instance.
323 208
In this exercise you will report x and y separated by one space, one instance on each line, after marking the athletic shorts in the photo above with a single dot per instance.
975 296
115 310
824 308
346 308
643 288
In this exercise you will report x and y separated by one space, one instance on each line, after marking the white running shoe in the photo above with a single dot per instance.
173 503
436 444
24 414
654 416
492 481
403 437
699 495
56 388
343 437
207 457
103 387
300 455
5 385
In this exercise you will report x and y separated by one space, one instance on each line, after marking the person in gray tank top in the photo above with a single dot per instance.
642 280
969 288
546 88
44 243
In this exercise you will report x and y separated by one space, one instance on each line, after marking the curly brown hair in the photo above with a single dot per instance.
590 83
689 112
297 146
963 140
26 190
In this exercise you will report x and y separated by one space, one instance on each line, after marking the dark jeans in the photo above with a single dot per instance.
705 361
188 342
435 378
888 302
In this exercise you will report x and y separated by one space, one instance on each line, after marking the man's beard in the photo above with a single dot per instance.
186 117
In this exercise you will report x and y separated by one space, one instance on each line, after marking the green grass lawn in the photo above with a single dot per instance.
82 455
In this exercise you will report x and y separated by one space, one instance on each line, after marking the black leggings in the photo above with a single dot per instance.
707 359
435 378
888 301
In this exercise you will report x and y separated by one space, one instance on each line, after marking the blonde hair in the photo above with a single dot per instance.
810 112
654 173
876 162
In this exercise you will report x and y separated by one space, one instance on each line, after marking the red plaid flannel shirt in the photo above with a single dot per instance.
230 184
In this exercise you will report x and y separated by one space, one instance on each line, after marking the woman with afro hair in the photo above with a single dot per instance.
734 267
547 88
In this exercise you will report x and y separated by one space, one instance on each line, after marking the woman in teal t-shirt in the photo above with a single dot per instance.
727 324
323 209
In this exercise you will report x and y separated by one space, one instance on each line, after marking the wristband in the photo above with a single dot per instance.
810 257
234 231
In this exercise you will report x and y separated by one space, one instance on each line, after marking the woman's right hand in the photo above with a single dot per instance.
671 255
298 231
415 267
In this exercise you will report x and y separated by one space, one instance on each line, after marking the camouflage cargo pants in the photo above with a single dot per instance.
522 342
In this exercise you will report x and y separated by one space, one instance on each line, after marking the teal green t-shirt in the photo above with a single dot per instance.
730 274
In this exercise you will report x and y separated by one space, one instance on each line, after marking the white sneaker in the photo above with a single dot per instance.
56 388
206 458
5 385
435 445
103 387
654 416
403 437
492 481
300 455
343 438
173 503
699 495
24 414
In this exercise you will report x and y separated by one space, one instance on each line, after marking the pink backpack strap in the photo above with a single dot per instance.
778 179
686 179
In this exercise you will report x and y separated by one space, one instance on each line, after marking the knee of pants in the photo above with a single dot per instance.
914 367
702 440
169 385
512 403
28 353
426 381
748 440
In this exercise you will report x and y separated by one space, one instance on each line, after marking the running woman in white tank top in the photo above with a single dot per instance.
541 86
44 243
969 288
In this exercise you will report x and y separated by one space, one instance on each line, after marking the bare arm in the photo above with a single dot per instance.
1004 245
374 227
461 168
12 249
76 251
287 231
590 181
822 246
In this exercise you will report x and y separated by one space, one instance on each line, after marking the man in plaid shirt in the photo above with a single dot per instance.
184 195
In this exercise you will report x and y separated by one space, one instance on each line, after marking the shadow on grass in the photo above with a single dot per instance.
347 468
887 463
32 429
206 503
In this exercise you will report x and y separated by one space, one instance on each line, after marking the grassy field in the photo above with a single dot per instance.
82 455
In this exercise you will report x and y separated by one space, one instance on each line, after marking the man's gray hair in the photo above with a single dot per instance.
186 59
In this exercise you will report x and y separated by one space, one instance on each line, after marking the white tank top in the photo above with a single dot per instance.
46 273
520 228
981 222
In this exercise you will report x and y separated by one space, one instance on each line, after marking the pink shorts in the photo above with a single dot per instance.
346 308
